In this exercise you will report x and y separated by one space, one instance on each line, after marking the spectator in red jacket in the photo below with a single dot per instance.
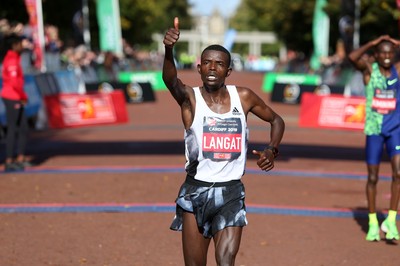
14 99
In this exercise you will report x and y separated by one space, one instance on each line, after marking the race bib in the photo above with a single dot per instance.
222 138
384 101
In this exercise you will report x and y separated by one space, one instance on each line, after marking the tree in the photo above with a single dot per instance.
292 20
139 19
377 17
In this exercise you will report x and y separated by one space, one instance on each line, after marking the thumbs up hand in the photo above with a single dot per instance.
172 35
176 23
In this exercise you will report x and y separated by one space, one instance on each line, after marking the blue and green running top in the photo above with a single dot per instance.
382 102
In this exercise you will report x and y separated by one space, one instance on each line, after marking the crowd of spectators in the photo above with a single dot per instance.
89 65
92 66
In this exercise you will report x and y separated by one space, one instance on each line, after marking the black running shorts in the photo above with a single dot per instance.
215 205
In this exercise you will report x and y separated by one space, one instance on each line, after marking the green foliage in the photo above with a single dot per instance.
253 15
292 20
294 24
140 19
377 17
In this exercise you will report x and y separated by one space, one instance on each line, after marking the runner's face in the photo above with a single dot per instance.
214 68
385 55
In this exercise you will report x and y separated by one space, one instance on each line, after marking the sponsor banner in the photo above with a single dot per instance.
291 93
135 92
153 77
75 110
334 111
292 78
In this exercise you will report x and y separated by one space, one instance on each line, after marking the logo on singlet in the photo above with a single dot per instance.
392 81
235 111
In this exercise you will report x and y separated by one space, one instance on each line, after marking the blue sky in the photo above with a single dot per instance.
206 7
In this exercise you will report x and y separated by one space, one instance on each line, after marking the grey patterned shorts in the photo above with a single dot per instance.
215 205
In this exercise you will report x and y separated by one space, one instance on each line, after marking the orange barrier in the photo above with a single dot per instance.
332 111
76 110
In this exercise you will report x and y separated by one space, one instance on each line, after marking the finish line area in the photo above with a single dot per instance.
136 207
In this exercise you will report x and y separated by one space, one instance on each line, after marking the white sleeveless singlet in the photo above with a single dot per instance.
216 144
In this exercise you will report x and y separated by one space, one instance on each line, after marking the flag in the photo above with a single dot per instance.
229 39
320 33
34 9
108 18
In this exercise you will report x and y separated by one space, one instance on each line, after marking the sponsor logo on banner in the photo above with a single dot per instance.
105 87
87 109
332 111
341 112
322 89
291 93
354 113
135 92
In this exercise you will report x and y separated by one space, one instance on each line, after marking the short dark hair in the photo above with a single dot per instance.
220 48
11 39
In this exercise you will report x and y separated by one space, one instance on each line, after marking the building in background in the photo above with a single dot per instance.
213 29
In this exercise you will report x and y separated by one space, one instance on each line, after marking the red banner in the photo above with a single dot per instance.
34 9
75 110
334 111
